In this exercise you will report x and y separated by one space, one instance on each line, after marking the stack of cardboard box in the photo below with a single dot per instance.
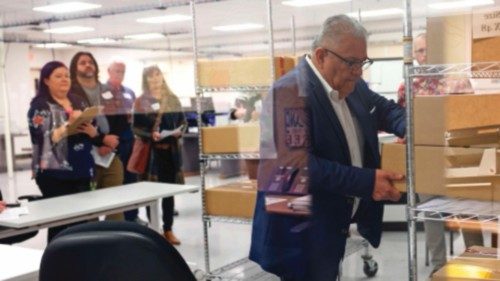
456 147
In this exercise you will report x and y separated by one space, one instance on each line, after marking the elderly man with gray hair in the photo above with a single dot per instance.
341 116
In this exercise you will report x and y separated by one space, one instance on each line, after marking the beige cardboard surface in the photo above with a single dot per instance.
232 200
469 267
241 72
429 167
485 49
436 115
231 138
448 39
438 171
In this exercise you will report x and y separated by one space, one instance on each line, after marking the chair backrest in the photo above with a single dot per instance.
112 250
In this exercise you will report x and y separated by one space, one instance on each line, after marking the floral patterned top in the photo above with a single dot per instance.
68 158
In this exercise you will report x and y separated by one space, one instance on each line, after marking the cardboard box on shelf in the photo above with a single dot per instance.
243 138
469 266
437 117
467 272
232 200
448 39
496 189
241 72
454 172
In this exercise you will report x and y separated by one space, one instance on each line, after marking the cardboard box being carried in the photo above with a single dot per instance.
241 71
457 120
232 200
456 172
243 138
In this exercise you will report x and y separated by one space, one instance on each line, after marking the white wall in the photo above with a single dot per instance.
178 72
103 56
19 86
179 75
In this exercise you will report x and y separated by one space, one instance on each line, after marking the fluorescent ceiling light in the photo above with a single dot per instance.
377 13
97 41
67 7
460 4
306 3
145 36
164 19
238 27
68 29
52 45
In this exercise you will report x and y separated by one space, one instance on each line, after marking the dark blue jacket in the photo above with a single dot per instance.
311 249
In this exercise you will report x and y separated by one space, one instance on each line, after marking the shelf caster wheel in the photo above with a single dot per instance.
370 267
199 274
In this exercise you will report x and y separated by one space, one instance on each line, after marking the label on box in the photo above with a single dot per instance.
486 23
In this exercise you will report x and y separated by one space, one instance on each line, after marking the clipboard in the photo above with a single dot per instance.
87 116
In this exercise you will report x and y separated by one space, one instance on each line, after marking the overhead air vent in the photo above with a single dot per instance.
36 28
14 37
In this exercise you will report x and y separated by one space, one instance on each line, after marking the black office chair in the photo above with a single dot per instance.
112 250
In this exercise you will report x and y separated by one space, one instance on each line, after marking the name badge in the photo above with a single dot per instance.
155 106
295 128
127 96
107 95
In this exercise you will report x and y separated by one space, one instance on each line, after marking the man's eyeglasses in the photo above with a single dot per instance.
353 64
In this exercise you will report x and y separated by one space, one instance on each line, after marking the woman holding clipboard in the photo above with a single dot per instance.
61 163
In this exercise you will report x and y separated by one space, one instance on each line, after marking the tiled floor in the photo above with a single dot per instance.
230 242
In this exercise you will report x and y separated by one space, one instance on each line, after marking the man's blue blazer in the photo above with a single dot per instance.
311 249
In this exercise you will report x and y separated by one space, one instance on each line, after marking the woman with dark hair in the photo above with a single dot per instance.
61 164
157 111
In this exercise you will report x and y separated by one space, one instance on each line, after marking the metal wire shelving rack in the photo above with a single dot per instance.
456 210
242 269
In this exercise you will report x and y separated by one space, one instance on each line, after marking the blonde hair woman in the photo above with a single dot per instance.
156 112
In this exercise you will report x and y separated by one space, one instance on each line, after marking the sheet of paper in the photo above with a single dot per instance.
103 161
273 200
13 213
167 133
301 204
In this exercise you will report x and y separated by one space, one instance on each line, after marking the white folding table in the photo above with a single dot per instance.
92 204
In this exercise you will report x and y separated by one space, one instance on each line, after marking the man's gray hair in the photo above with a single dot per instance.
420 35
336 27
116 60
